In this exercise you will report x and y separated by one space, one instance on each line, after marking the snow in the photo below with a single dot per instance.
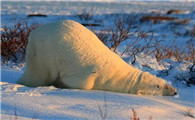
54 103
23 103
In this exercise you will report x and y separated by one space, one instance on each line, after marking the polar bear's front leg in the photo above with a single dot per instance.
28 80
37 74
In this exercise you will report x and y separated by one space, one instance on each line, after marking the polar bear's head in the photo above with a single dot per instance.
151 85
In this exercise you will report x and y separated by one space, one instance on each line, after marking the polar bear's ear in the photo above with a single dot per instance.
139 92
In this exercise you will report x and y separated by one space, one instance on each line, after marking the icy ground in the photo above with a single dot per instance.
20 102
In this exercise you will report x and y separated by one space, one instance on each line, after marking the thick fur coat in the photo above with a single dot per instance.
68 55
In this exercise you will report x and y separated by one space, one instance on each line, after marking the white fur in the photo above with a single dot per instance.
66 54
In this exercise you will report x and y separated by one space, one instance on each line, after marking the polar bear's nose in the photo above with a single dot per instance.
176 91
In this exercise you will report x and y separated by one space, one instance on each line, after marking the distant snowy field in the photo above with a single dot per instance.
20 102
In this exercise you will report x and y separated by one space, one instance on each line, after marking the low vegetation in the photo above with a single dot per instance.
103 110
14 41
139 41
135 117
155 19
86 15
188 112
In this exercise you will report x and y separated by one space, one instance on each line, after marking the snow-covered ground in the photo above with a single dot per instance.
20 102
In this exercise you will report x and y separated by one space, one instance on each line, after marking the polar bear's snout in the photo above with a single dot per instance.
169 90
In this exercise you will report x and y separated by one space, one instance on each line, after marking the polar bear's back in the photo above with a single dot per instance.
69 36
73 42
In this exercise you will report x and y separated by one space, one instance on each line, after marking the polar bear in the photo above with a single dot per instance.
68 55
